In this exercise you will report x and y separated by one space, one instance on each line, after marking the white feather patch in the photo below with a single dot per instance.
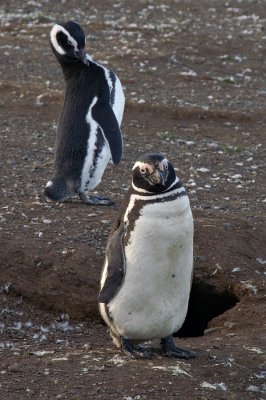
102 159
88 162
49 183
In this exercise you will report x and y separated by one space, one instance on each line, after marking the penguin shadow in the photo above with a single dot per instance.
75 202
156 352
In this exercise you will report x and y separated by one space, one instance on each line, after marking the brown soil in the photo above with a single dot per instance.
194 78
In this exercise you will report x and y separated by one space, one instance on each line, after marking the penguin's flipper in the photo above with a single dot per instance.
104 115
114 265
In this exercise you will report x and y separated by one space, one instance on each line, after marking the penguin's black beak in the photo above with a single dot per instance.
158 176
81 55
162 176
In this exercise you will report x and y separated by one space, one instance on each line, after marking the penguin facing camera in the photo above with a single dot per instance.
88 134
147 273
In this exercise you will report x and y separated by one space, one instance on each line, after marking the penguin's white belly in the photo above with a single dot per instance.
153 299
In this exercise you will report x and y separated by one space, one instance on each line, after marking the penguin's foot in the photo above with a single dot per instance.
95 200
134 351
169 349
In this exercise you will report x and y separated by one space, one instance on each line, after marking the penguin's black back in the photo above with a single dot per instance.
83 83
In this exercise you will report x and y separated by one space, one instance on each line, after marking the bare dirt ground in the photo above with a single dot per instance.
195 86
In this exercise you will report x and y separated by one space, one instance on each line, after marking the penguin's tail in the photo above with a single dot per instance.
57 189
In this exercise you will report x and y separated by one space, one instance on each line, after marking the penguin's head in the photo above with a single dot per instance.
153 173
58 189
68 42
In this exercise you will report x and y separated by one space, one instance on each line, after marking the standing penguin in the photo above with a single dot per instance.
88 133
146 278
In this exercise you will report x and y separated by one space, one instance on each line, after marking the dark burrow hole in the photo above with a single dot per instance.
205 303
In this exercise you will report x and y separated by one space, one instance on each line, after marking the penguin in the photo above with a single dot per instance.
147 272
88 134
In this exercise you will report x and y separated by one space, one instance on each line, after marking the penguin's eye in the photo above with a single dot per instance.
143 170
69 42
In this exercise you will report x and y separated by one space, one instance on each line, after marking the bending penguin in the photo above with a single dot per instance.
88 134
147 274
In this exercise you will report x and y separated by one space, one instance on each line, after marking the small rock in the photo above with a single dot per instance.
47 221
30 392
211 330
236 269
229 324
227 225
14 368
203 170
190 143
191 183
236 176
39 100
253 388
260 261
213 146
36 165
201 258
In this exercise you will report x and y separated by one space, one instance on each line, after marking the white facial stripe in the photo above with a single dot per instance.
58 28
141 165
49 183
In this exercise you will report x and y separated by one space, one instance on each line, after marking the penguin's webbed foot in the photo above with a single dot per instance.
95 200
169 349
135 351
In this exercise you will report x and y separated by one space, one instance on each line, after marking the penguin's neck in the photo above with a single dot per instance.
71 70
